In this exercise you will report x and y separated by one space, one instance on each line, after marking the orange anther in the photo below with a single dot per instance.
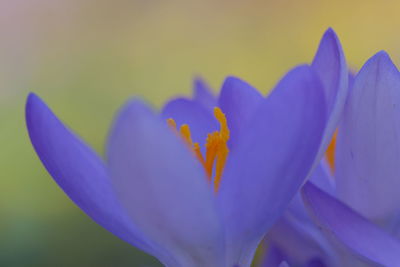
330 152
216 147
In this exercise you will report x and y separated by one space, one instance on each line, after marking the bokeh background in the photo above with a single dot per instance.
85 58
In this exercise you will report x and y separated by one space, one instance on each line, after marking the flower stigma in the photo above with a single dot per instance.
216 147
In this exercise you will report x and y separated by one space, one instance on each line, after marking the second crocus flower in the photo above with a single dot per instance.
356 205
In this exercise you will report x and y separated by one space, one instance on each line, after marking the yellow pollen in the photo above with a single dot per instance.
216 147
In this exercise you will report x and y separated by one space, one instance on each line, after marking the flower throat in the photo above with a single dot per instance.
216 147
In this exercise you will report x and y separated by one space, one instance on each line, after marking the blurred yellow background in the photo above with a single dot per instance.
85 58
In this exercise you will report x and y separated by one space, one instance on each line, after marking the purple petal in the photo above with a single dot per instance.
203 95
368 144
80 173
200 120
302 242
272 160
351 229
322 177
238 100
164 188
352 75
330 64
273 256
296 233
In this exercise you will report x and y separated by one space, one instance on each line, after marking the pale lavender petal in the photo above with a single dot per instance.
272 160
203 94
273 256
368 144
351 229
322 177
284 264
301 241
324 180
296 233
330 64
80 173
352 75
238 100
164 187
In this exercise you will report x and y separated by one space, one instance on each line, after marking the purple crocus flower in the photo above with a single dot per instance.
155 189
358 207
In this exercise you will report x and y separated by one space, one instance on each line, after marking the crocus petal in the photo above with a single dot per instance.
368 144
200 120
301 241
351 229
330 64
352 75
271 160
295 232
79 172
273 256
284 264
322 177
203 95
164 188
238 100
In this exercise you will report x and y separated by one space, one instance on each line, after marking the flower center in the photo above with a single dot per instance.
216 147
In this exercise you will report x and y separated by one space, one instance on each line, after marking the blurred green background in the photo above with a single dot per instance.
85 58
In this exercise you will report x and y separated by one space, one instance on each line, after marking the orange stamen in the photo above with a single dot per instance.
171 123
197 151
211 153
330 152
216 147
222 150
186 135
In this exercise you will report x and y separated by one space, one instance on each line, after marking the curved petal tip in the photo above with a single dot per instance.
80 173
381 57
